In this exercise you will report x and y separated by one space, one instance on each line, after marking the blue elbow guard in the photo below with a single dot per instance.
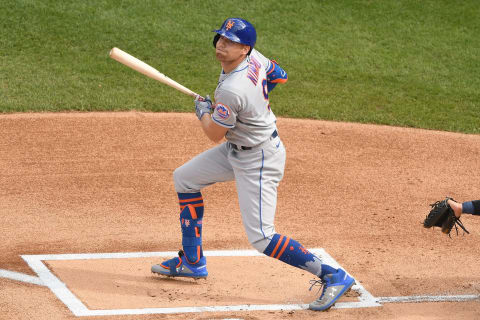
270 86
275 74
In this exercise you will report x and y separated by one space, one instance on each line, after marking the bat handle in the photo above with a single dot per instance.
199 97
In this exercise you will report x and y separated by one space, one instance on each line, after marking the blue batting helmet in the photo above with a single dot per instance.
237 30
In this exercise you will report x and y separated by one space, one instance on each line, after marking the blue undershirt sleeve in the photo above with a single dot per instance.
471 207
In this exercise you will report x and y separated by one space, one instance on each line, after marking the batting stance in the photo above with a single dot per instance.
253 156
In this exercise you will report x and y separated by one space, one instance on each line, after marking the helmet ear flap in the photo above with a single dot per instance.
215 40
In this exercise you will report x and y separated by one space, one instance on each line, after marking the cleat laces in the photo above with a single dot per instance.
318 283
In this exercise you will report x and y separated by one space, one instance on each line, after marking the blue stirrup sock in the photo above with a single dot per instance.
191 214
293 253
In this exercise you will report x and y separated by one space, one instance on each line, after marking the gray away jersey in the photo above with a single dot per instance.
241 102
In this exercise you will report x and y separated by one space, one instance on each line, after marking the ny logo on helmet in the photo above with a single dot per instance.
230 24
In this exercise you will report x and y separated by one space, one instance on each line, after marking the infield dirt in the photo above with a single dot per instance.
102 182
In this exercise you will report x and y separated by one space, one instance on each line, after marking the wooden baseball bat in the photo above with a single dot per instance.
142 67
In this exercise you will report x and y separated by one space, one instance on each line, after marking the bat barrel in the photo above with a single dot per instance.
140 66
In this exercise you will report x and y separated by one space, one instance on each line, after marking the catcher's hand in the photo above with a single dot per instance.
442 215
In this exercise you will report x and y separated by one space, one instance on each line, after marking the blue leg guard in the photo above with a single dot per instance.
191 205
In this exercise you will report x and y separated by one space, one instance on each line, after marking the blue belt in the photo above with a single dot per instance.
234 146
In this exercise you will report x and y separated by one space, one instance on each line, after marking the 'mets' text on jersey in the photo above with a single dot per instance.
242 103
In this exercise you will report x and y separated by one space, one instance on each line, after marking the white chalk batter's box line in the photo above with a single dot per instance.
78 308
48 279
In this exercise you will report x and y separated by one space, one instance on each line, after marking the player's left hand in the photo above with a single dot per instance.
442 215
203 106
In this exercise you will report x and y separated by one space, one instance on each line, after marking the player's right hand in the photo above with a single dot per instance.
203 106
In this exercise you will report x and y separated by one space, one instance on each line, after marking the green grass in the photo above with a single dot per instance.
396 62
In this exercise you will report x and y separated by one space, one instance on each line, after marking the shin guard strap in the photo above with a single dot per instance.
191 241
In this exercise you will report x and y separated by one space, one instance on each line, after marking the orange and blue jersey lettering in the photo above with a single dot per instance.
253 70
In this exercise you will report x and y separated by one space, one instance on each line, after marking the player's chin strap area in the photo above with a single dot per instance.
236 147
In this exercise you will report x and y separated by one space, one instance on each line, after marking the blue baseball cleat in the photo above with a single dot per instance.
180 267
335 285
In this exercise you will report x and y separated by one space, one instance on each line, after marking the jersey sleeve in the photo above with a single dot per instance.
263 60
226 108
275 73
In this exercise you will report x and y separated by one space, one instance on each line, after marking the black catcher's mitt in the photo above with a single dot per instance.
442 215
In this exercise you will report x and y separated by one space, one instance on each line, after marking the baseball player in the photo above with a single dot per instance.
253 155
470 207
